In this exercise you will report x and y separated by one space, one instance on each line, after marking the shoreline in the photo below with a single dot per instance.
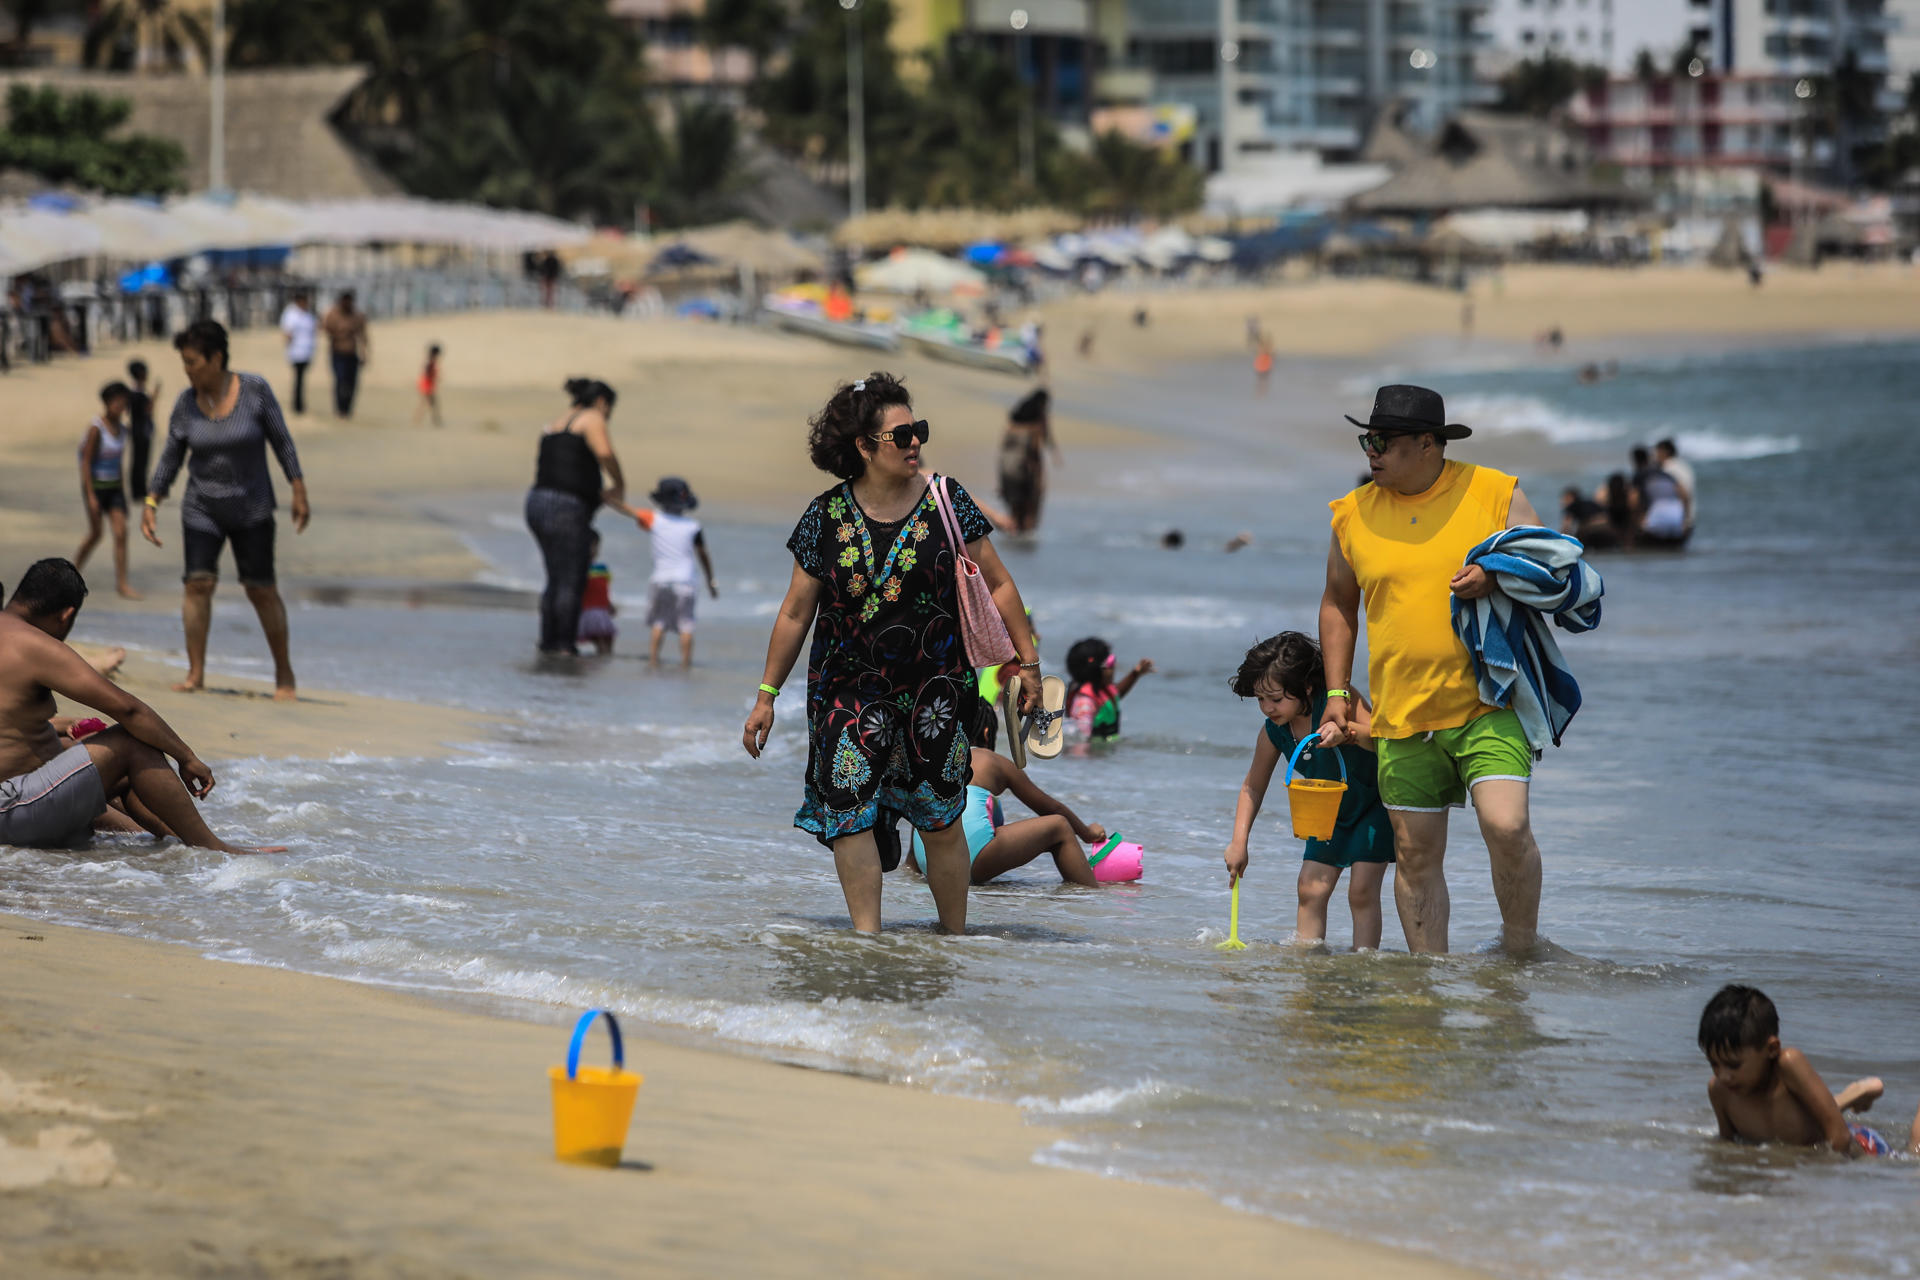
166 1113
893 1215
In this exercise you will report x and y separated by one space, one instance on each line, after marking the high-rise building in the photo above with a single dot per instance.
1275 75
1798 37
1903 41
1581 30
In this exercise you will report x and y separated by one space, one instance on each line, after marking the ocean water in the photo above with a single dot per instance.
1727 807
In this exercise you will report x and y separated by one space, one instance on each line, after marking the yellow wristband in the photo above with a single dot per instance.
1340 693
770 691
153 502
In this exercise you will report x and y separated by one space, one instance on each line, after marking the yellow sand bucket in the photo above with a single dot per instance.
1314 802
592 1105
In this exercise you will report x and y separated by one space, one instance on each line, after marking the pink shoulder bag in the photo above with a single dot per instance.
981 626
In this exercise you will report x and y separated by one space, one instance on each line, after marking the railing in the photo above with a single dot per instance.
87 322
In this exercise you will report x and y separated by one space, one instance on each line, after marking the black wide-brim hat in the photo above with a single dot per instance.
1400 407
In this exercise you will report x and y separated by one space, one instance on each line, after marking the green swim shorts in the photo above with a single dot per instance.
1431 772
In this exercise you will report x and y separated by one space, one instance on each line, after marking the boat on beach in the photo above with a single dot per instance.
959 350
848 333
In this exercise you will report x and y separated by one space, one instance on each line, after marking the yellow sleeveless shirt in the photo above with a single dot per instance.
1404 550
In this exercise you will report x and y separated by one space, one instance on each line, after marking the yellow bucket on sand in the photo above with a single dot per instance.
592 1106
1314 802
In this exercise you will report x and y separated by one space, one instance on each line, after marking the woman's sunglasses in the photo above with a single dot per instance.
904 437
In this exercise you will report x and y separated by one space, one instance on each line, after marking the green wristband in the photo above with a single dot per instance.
1340 693
770 691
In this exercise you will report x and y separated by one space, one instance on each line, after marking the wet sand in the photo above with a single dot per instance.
162 1114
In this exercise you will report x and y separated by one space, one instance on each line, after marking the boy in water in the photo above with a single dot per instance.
1764 1091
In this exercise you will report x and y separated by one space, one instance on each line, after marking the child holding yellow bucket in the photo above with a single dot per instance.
1284 673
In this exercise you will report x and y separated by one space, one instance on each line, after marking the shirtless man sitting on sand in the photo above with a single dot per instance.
1764 1091
52 797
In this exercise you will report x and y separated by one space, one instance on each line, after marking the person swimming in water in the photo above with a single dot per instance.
1764 1091
1093 700
997 846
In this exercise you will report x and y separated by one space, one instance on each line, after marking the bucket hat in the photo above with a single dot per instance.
1399 407
673 494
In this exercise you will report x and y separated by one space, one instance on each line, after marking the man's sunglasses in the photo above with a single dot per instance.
1376 442
904 437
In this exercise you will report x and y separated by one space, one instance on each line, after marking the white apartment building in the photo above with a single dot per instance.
1903 42
1277 75
1582 30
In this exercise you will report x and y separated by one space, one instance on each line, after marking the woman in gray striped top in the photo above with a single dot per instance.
221 427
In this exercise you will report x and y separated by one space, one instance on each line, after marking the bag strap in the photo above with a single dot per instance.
947 518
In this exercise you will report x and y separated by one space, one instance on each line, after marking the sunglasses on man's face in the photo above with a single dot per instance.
1377 442
903 437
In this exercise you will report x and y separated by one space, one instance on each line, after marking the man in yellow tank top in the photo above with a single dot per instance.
1400 544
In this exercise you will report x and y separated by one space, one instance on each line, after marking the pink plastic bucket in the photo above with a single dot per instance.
1117 861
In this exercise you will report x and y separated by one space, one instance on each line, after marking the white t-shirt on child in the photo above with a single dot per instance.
673 555
298 324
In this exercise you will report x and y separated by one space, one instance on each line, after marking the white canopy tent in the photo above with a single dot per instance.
145 230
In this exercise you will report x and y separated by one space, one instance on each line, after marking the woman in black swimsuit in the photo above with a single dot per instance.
566 494
1023 467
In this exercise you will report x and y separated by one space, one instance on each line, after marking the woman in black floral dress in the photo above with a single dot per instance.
890 694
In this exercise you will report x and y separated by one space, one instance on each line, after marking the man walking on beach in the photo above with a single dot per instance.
346 330
298 324
1400 543
50 796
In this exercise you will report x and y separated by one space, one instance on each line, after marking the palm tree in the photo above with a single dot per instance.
151 36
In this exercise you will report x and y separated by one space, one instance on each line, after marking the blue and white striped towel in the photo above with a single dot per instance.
1537 574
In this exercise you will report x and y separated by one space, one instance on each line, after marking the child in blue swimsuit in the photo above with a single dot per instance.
997 846
1284 673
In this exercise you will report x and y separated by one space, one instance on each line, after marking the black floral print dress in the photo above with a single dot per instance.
890 695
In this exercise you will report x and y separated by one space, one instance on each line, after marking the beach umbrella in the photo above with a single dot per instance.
916 271
676 256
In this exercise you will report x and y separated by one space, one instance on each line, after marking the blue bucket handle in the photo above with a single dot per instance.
580 1036
1313 740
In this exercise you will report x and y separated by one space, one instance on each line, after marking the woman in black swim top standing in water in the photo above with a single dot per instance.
574 449
1023 464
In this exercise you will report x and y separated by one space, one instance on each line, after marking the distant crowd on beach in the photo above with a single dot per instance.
1652 506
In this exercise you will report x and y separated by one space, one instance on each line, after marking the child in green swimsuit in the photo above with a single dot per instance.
1284 673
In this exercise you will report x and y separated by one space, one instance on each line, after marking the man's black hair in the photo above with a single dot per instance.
1737 1018
49 587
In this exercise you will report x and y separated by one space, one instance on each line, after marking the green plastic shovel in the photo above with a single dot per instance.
1233 942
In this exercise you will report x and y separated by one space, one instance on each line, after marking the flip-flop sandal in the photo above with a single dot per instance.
886 835
1010 709
1046 728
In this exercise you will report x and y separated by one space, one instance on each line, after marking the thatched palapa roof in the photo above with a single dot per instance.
1481 159
279 139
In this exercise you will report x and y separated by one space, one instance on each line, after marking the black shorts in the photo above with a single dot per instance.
114 499
252 553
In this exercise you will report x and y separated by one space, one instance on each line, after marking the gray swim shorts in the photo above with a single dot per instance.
670 605
55 804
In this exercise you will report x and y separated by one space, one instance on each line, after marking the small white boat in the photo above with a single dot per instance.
1012 360
848 333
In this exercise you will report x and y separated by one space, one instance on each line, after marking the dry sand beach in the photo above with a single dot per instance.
164 1114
